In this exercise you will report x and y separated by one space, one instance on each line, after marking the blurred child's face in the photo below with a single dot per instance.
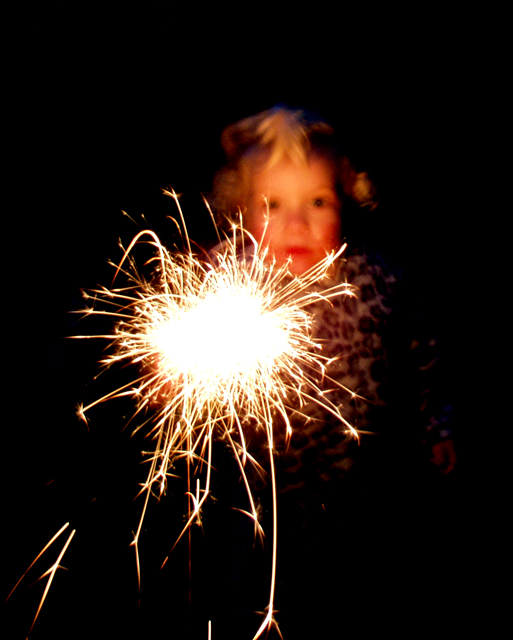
294 210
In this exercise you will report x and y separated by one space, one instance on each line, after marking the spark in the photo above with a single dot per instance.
222 343
50 572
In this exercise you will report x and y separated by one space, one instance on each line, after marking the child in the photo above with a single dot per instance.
280 159
294 187
288 177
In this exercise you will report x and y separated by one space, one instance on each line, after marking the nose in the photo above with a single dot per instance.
296 218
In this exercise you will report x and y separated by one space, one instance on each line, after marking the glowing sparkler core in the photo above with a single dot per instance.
218 340
223 337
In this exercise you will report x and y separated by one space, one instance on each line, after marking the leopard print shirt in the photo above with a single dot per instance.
383 366
379 378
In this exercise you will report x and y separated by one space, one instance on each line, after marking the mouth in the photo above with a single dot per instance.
297 252
299 259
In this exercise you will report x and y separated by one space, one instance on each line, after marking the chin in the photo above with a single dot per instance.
299 265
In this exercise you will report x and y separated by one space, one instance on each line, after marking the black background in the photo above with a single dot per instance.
110 106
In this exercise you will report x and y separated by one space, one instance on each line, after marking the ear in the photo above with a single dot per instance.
364 191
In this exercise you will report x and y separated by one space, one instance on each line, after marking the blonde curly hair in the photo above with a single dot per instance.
261 141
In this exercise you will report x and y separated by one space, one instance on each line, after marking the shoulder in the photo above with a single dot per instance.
375 284
362 267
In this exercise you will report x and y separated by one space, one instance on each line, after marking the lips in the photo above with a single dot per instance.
297 258
297 252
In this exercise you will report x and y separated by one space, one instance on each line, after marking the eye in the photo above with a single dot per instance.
273 205
319 202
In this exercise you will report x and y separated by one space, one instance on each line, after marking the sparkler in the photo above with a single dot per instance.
223 343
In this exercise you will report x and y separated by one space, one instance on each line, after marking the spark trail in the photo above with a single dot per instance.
50 572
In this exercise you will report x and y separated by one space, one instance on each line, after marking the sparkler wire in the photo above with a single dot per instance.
224 343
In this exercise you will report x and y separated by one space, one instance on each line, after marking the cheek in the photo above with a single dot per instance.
329 232
263 229
255 224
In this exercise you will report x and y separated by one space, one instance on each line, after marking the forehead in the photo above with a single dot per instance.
315 173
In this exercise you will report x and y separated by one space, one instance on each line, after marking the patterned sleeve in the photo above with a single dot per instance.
435 409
